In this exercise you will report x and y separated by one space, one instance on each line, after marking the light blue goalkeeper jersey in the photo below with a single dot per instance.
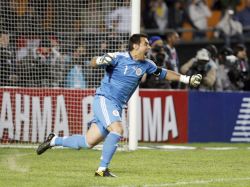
123 76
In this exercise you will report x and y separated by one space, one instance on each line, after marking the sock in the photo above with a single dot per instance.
75 141
109 147
52 142
101 169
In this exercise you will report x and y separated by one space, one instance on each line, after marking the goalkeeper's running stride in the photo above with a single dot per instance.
124 71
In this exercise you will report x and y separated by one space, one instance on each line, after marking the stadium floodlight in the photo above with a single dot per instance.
47 84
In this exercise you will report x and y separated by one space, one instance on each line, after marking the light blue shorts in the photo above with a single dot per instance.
105 113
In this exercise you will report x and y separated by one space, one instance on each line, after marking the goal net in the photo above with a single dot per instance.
46 46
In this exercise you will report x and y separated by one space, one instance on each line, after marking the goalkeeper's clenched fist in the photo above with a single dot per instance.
105 59
195 80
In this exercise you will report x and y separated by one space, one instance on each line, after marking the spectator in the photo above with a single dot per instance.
57 63
87 15
7 75
9 16
26 70
230 73
42 75
213 52
198 12
222 81
243 18
120 19
173 59
26 47
75 78
240 52
176 15
228 28
157 52
48 66
223 5
159 56
203 65
155 15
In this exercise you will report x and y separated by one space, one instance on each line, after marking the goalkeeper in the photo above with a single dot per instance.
123 74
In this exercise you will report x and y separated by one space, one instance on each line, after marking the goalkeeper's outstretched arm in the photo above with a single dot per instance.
193 80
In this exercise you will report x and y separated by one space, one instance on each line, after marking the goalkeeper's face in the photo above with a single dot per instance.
144 46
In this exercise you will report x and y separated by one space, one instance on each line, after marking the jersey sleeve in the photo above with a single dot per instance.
155 70
115 59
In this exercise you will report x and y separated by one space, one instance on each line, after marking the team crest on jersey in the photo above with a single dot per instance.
115 113
138 71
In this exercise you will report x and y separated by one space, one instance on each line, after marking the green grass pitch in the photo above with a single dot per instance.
151 168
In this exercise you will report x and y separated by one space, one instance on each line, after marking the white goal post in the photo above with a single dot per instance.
134 100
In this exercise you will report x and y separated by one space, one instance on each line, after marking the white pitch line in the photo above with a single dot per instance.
199 182
18 146
189 182
220 148
162 147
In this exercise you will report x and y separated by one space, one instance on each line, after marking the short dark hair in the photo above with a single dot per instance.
170 33
135 39
226 51
212 50
238 48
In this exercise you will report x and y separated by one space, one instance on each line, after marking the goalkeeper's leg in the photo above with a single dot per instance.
109 148
108 115
92 138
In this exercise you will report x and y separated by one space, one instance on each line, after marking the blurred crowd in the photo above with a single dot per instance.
224 69
207 19
46 62
40 54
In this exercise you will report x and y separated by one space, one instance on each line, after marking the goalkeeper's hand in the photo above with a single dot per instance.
195 80
105 59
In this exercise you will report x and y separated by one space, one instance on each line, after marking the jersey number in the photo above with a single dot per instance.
126 69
